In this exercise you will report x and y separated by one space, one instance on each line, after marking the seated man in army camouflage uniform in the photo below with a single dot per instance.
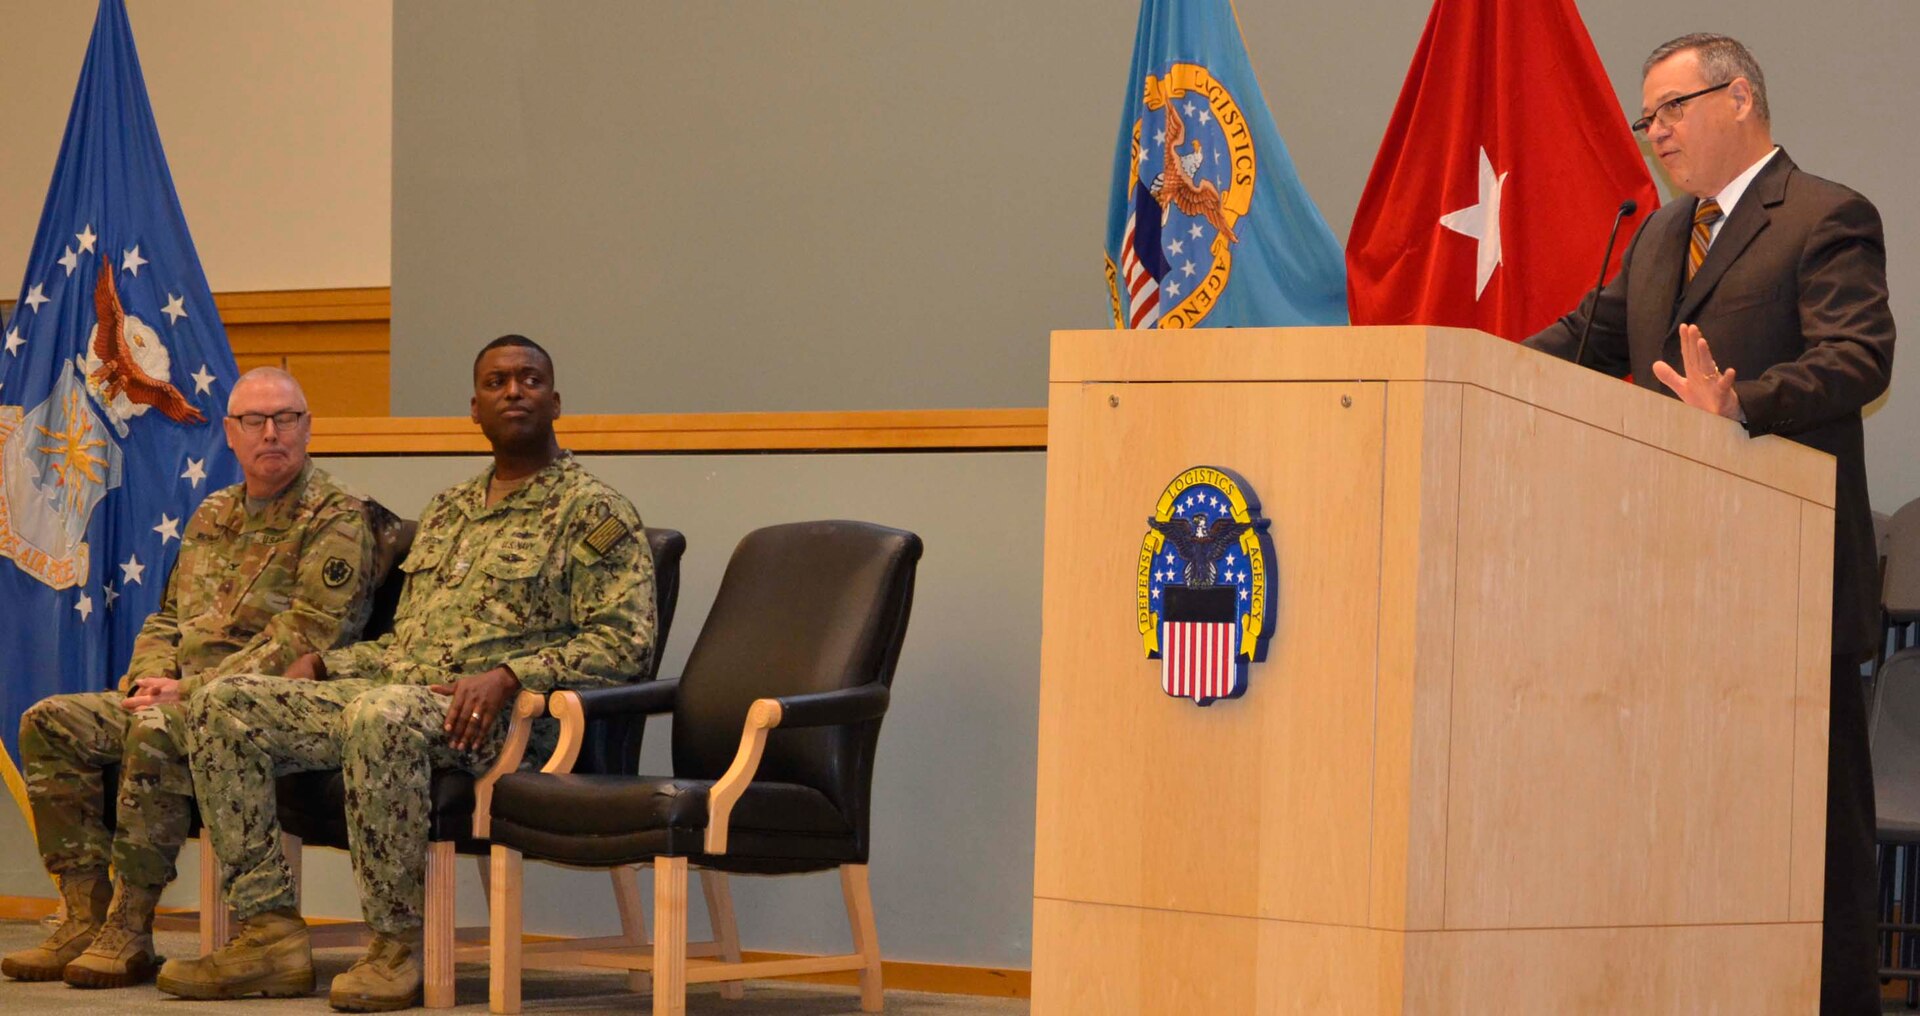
531 575
269 569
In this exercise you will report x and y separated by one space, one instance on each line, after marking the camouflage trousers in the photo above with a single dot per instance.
65 742
385 738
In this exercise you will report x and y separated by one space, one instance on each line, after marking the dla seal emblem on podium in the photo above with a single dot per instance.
1205 589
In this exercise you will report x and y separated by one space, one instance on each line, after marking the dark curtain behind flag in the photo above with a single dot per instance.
113 381
1499 176
1209 225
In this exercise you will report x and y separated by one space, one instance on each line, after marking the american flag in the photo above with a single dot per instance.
1143 292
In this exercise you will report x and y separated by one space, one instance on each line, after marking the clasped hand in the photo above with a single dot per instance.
151 691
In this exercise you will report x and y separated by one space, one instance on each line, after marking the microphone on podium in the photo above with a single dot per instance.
1627 208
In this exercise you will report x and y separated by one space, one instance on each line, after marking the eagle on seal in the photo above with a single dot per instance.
1201 542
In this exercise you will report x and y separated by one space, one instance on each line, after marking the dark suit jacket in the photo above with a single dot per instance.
1793 296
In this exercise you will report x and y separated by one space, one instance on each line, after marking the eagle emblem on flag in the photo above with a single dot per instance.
128 367
1194 168
1205 590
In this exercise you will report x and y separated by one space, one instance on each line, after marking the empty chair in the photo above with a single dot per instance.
775 723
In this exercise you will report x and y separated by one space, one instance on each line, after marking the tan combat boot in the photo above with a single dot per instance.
122 953
87 894
272 955
386 978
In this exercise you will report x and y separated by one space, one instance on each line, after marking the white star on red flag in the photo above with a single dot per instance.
1482 222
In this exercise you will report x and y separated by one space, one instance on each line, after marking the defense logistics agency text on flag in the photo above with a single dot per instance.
1208 223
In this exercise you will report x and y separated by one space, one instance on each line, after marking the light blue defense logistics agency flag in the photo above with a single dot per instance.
1209 225
113 382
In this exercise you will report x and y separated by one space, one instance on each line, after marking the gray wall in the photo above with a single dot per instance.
754 205
768 206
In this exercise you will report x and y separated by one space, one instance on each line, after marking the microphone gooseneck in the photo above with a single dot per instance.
1627 208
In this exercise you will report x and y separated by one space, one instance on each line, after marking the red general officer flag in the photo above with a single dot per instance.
1501 172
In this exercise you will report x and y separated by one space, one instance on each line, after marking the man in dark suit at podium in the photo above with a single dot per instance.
1761 295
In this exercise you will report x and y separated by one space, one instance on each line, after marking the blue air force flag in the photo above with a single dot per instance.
1208 224
114 373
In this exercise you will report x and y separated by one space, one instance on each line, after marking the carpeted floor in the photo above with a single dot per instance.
542 992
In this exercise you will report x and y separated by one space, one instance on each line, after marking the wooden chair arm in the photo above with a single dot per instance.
519 727
761 718
565 706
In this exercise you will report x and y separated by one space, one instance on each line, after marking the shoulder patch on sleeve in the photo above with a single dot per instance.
606 536
336 572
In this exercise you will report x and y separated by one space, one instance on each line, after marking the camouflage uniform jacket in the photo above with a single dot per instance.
555 581
250 594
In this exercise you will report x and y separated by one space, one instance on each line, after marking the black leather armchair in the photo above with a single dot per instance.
775 723
312 805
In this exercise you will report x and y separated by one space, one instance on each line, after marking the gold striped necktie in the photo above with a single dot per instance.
1705 214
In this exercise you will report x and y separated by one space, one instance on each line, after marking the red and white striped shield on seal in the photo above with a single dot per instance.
1197 660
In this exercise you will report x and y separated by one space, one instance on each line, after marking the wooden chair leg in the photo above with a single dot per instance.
866 940
503 932
669 936
485 868
216 921
633 918
719 894
437 936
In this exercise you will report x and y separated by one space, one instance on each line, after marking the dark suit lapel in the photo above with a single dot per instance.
1749 219
1666 268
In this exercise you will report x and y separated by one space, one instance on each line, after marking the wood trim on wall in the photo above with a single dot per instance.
305 306
299 306
688 433
336 341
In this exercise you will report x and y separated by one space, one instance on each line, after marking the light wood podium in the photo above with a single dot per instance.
1542 727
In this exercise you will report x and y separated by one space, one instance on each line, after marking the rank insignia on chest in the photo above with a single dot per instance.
1204 591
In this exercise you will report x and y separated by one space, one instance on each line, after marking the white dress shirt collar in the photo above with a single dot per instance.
1731 194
